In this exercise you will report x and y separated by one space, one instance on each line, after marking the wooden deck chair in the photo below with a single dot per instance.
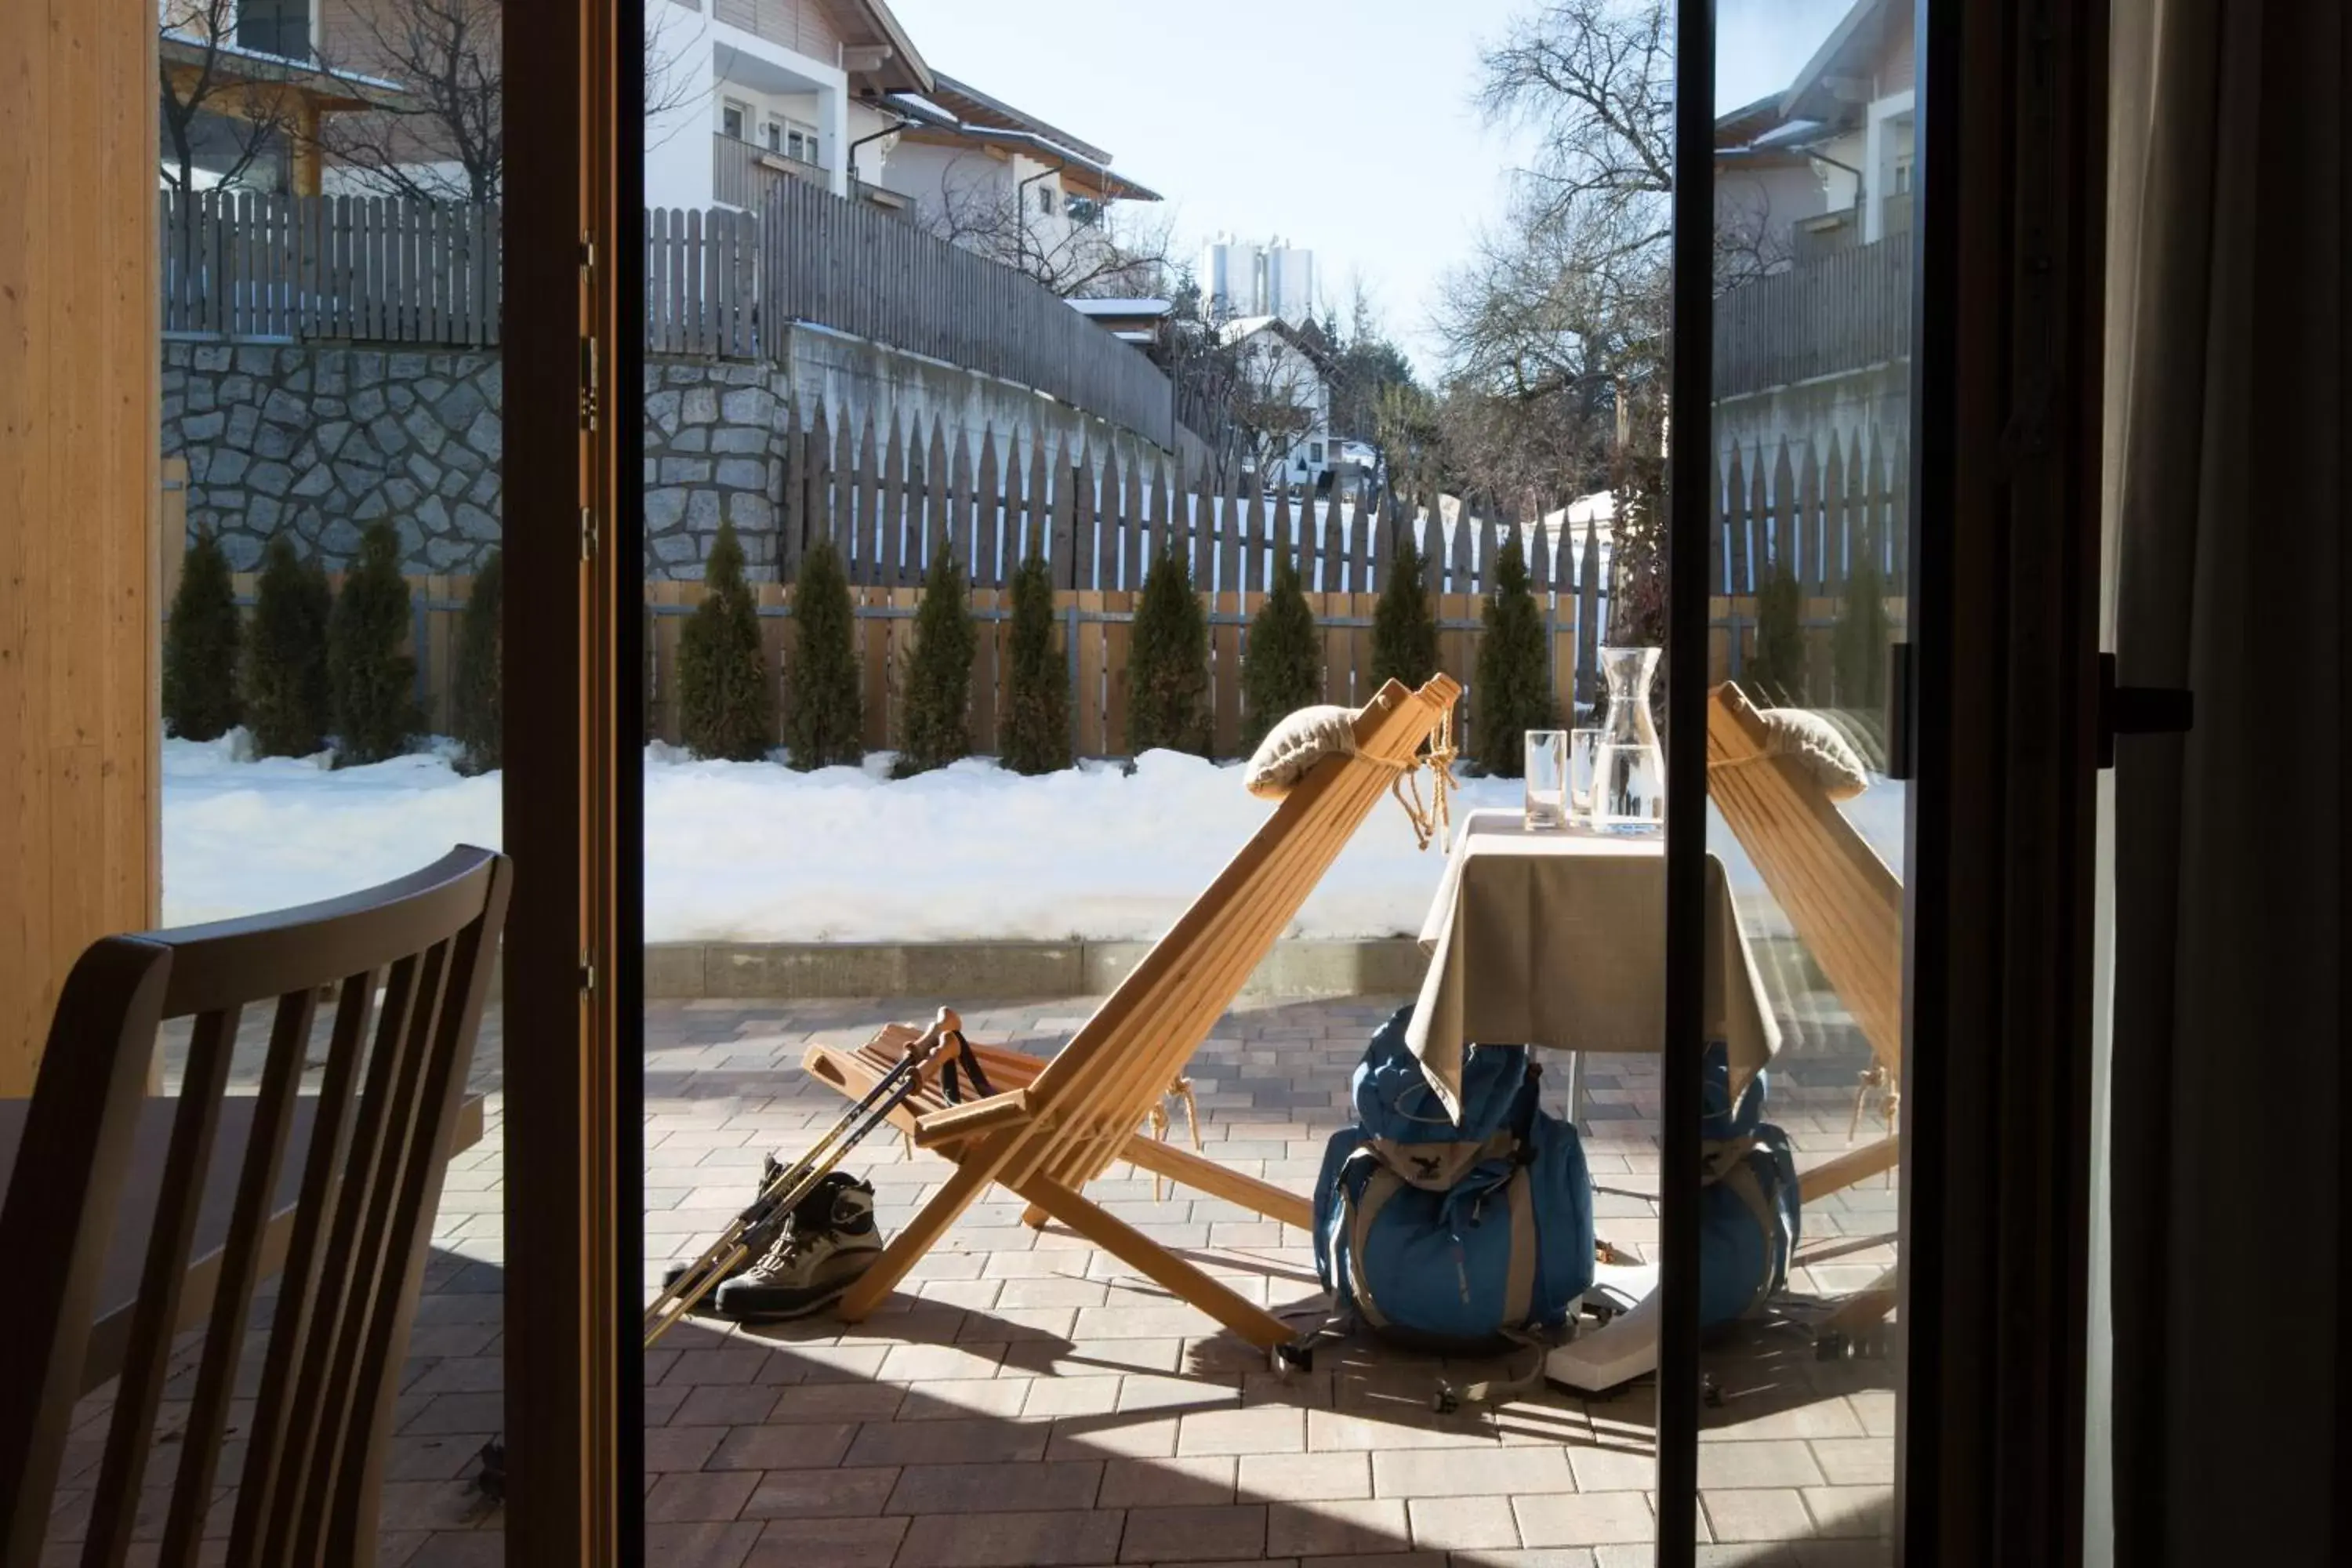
1053 1126
1844 904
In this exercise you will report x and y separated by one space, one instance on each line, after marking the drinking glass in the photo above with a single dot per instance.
1546 779
1583 768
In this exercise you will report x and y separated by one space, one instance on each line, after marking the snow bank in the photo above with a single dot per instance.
754 852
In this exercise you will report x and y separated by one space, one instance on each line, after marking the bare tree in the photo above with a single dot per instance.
441 136
214 99
1084 249
1277 385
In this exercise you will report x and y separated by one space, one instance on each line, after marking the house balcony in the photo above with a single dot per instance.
740 170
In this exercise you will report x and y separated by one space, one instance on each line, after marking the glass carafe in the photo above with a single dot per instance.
1629 776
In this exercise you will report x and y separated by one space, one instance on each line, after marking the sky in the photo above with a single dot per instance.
1344 126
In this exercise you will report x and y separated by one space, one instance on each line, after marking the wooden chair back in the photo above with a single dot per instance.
1088 1099
408 962
1846 907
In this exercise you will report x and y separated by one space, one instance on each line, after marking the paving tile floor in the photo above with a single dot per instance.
1025 1399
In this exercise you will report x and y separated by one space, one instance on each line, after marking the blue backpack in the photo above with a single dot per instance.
1749 1207
1456 1239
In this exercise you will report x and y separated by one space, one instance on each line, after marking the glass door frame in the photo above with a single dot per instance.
1995 714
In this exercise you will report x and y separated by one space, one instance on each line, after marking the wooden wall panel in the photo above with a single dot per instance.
79 483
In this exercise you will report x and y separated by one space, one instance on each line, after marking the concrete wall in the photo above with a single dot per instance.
1841 405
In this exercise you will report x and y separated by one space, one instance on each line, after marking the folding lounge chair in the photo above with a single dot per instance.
1846 908
1053 1126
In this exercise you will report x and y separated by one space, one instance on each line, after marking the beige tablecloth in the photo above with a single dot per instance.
1559 939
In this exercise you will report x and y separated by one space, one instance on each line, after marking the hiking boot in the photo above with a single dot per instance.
830 1240
758 1241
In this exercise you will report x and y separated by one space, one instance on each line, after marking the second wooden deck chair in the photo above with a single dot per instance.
1844 904
1053 1126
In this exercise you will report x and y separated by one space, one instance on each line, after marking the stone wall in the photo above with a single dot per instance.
712 451
321 441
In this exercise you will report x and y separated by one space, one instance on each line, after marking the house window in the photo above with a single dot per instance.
1315 451
1046 200
1902 176
735 120
280 27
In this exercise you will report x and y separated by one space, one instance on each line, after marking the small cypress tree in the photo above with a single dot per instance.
1776 674
375 684
827 724
200 651
1168 665
1036 685
1513 694
286 691
1282 667
1858 642
727 709
1404 632
480 708
938 675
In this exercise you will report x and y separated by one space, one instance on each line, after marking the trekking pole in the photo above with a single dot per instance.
777 1197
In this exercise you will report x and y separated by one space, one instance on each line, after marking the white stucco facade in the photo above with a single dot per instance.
739 96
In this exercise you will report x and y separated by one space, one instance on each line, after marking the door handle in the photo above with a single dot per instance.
2138 711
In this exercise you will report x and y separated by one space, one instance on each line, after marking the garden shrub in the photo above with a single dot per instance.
826 723
1858 642
475 694
200 649
1037 682
1168 665
939 673
1404 630
286 691
375 683
1775 671
1513 689
1282 667
727 708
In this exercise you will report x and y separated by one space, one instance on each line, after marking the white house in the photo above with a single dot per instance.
1282 402
746 86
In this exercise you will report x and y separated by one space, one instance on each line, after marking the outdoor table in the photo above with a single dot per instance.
126 1255
1557 939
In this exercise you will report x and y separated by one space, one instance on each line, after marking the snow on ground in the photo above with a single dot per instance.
755 852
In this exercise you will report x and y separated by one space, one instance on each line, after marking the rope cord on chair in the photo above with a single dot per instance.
1430 823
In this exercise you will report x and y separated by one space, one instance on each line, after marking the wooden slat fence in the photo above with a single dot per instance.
1837 313
245 264
856 269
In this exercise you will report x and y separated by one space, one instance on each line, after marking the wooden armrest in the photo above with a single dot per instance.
971 1119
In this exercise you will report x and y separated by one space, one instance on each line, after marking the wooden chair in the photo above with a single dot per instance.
1054 1126
1844 904
413 957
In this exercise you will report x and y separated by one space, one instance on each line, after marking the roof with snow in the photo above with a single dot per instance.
959 110
1122 307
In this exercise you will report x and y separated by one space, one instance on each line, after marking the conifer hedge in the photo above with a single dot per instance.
477 696
1168 665
1512 693
200 649
727 705
1037 736
938 675
1282 667
1404 630
825 725
286 705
